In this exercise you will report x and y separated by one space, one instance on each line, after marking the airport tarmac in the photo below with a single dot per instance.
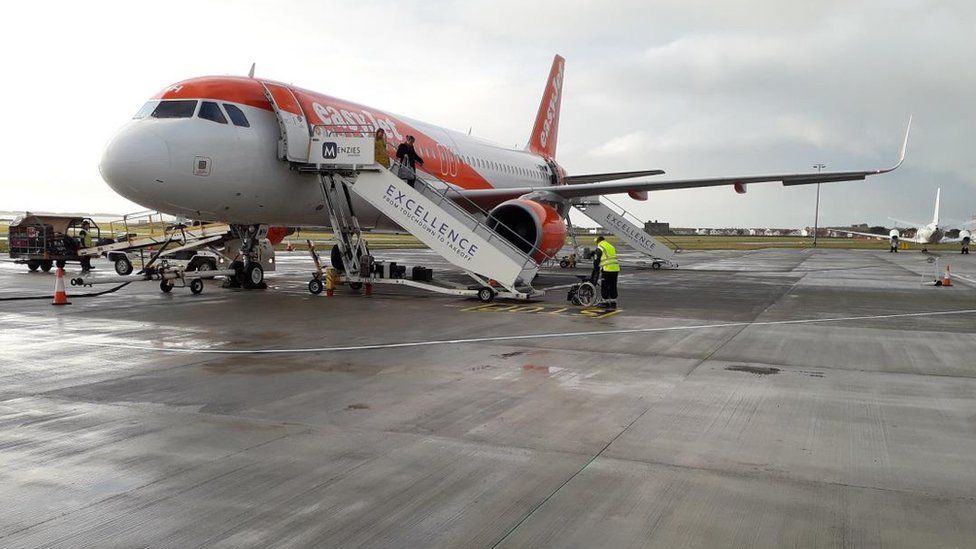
747 399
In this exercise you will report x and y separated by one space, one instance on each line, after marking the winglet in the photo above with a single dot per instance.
904 148
250 73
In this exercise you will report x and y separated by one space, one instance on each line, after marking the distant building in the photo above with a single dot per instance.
656 228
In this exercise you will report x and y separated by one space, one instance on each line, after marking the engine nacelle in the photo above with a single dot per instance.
533 227
277 234
894 235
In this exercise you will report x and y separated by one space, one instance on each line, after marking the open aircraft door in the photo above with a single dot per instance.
295 137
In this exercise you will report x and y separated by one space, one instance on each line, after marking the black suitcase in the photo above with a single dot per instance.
422 274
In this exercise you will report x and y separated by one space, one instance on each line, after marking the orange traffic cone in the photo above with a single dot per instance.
947 278
60 297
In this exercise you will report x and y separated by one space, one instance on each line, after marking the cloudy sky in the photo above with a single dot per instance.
696 88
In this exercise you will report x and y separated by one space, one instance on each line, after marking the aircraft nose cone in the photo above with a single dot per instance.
136 163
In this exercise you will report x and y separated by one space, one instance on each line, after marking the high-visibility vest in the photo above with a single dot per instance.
86 239
608 257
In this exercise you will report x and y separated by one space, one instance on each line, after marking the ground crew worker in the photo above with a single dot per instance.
382 157
610 270
85 241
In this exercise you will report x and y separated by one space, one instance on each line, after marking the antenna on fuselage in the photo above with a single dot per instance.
250 73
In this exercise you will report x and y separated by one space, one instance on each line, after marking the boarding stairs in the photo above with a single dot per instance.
433 215
629 228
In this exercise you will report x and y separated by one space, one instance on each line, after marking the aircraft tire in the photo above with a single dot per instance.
336 258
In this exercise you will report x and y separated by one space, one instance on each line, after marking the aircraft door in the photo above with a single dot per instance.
295 138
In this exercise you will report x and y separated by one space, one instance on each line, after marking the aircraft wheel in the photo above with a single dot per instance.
253 276
315 286
336 258
165 286
123 266
486 295
196 285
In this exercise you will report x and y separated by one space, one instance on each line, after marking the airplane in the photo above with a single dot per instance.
207 148
931 233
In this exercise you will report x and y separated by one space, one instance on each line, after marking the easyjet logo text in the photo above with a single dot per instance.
547 126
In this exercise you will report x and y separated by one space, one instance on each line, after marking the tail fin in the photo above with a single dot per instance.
935 218
544 132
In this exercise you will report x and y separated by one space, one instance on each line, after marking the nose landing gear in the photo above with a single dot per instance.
250 273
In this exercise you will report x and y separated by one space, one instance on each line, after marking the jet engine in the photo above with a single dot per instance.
894 235
277 234
533 227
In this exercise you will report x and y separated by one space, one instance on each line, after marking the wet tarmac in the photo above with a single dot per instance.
748 399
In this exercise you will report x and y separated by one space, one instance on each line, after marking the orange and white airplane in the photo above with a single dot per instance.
207 149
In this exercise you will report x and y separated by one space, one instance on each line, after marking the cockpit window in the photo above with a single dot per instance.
210 111
236 115
146 109
180 108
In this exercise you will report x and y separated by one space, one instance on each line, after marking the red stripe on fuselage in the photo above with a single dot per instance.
236 89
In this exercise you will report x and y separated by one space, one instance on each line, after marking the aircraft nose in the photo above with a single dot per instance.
135 163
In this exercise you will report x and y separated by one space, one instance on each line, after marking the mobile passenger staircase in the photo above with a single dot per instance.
629 228
341 160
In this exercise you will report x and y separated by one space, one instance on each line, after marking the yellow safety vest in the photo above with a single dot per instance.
608 259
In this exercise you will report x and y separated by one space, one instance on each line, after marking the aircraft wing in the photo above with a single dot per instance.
616 187
597 177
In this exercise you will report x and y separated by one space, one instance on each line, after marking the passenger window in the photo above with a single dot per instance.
210 111
182 108
236 115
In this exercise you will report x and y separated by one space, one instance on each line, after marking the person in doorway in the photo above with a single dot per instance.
382 157
408 157
609 271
